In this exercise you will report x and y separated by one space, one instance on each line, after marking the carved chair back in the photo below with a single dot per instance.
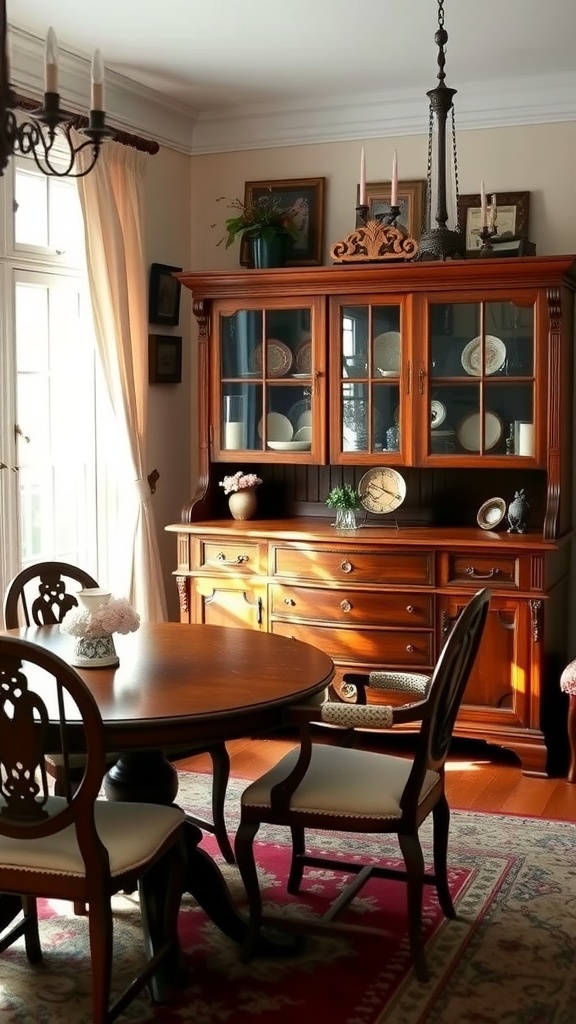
41 594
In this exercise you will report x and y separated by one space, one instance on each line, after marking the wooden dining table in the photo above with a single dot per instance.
181 684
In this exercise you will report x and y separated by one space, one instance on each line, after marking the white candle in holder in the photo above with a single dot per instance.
234 435
526 439
234 421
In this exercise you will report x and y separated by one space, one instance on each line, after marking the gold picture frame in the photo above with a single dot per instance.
411 198
512 211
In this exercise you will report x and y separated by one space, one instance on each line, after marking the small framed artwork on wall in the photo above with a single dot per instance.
164 359
164 295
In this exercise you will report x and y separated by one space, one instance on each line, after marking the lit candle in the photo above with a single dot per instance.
483 206
362 197
97 95
51 62
394 189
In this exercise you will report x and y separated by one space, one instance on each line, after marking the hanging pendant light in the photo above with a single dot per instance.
442 238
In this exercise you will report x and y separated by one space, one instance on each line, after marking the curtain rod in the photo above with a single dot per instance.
79 121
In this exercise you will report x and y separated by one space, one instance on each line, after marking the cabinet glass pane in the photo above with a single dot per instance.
386 427
266 343
370 341
460 346
355 417
355 326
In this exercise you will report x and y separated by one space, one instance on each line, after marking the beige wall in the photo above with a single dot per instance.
182 208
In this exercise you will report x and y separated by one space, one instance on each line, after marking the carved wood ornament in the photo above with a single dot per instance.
374 243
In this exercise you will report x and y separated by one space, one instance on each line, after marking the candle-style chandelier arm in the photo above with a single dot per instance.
46 135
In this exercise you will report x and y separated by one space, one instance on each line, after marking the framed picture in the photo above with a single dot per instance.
411 196
512 209
305 198
164 359
163 295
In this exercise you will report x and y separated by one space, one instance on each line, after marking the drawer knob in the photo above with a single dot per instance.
471 571
346 566
410 648
346 606
289 601
239 560
410 609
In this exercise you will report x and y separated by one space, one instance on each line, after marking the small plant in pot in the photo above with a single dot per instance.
269 228
345 500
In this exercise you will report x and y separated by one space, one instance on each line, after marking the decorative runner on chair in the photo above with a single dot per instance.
508 957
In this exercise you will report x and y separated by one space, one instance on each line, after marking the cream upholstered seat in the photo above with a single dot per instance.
41 594
326 787
75 846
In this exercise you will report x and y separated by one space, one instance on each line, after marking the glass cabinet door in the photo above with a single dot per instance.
366 379
266 400
481 379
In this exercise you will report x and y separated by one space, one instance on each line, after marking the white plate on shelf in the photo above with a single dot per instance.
278 427
468 431
289 446
387 353
437 413
494 356
303 434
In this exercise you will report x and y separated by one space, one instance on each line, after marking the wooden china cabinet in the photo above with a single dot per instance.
459 376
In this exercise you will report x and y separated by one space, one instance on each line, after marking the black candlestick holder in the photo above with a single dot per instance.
485 234
361 215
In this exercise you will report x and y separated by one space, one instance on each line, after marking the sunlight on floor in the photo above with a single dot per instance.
465 766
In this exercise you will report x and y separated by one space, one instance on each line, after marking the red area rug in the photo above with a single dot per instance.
508 957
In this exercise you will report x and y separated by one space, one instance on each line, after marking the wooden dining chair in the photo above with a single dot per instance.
40 595
76 846
339 788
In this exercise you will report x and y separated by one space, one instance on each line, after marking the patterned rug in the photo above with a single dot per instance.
509 958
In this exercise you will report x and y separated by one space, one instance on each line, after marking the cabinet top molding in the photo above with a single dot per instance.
457 275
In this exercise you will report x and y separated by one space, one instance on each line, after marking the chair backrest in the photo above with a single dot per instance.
41 700
41 594
445 693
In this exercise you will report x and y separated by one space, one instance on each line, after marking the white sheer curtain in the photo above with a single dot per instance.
112 198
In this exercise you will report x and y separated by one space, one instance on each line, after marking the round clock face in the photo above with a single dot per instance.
382 489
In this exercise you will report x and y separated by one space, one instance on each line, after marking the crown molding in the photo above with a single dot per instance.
136 108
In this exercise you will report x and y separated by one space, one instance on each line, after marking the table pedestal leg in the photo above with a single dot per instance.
572 737
142 775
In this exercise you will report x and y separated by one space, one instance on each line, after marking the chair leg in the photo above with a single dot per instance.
414 861
441 818
220 775
31 935
100 931
160 891
244 850
296 864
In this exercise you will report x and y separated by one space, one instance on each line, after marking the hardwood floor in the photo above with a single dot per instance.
479 777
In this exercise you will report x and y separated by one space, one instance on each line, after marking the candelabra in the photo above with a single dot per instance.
485 234
40 137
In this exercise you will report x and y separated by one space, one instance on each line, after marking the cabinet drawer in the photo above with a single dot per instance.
358 566
375 647
475 568
228 556
360 607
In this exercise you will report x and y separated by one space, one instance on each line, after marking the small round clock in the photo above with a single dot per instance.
382 489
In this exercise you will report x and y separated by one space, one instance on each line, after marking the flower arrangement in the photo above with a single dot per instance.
345 497
117 616
262 217
239 482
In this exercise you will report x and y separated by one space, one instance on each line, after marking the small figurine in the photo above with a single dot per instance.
517 514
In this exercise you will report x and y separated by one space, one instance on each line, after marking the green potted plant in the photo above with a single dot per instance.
345 500
266 224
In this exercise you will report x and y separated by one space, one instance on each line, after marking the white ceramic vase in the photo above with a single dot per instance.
94 651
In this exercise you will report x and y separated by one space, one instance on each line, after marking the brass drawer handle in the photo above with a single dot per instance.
410 648
410 609
289 601
346 606
471 571
346 566
239 560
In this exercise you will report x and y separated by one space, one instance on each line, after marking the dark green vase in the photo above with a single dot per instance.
268 251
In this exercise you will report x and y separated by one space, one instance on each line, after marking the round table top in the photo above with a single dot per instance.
178 682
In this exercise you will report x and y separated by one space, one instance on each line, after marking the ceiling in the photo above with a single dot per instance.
213 56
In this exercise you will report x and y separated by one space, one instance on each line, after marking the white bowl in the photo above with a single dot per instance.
289 446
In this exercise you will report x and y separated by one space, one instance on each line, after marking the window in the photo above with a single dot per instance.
60 498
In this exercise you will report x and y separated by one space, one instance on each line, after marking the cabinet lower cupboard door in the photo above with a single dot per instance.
502 702
229 603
